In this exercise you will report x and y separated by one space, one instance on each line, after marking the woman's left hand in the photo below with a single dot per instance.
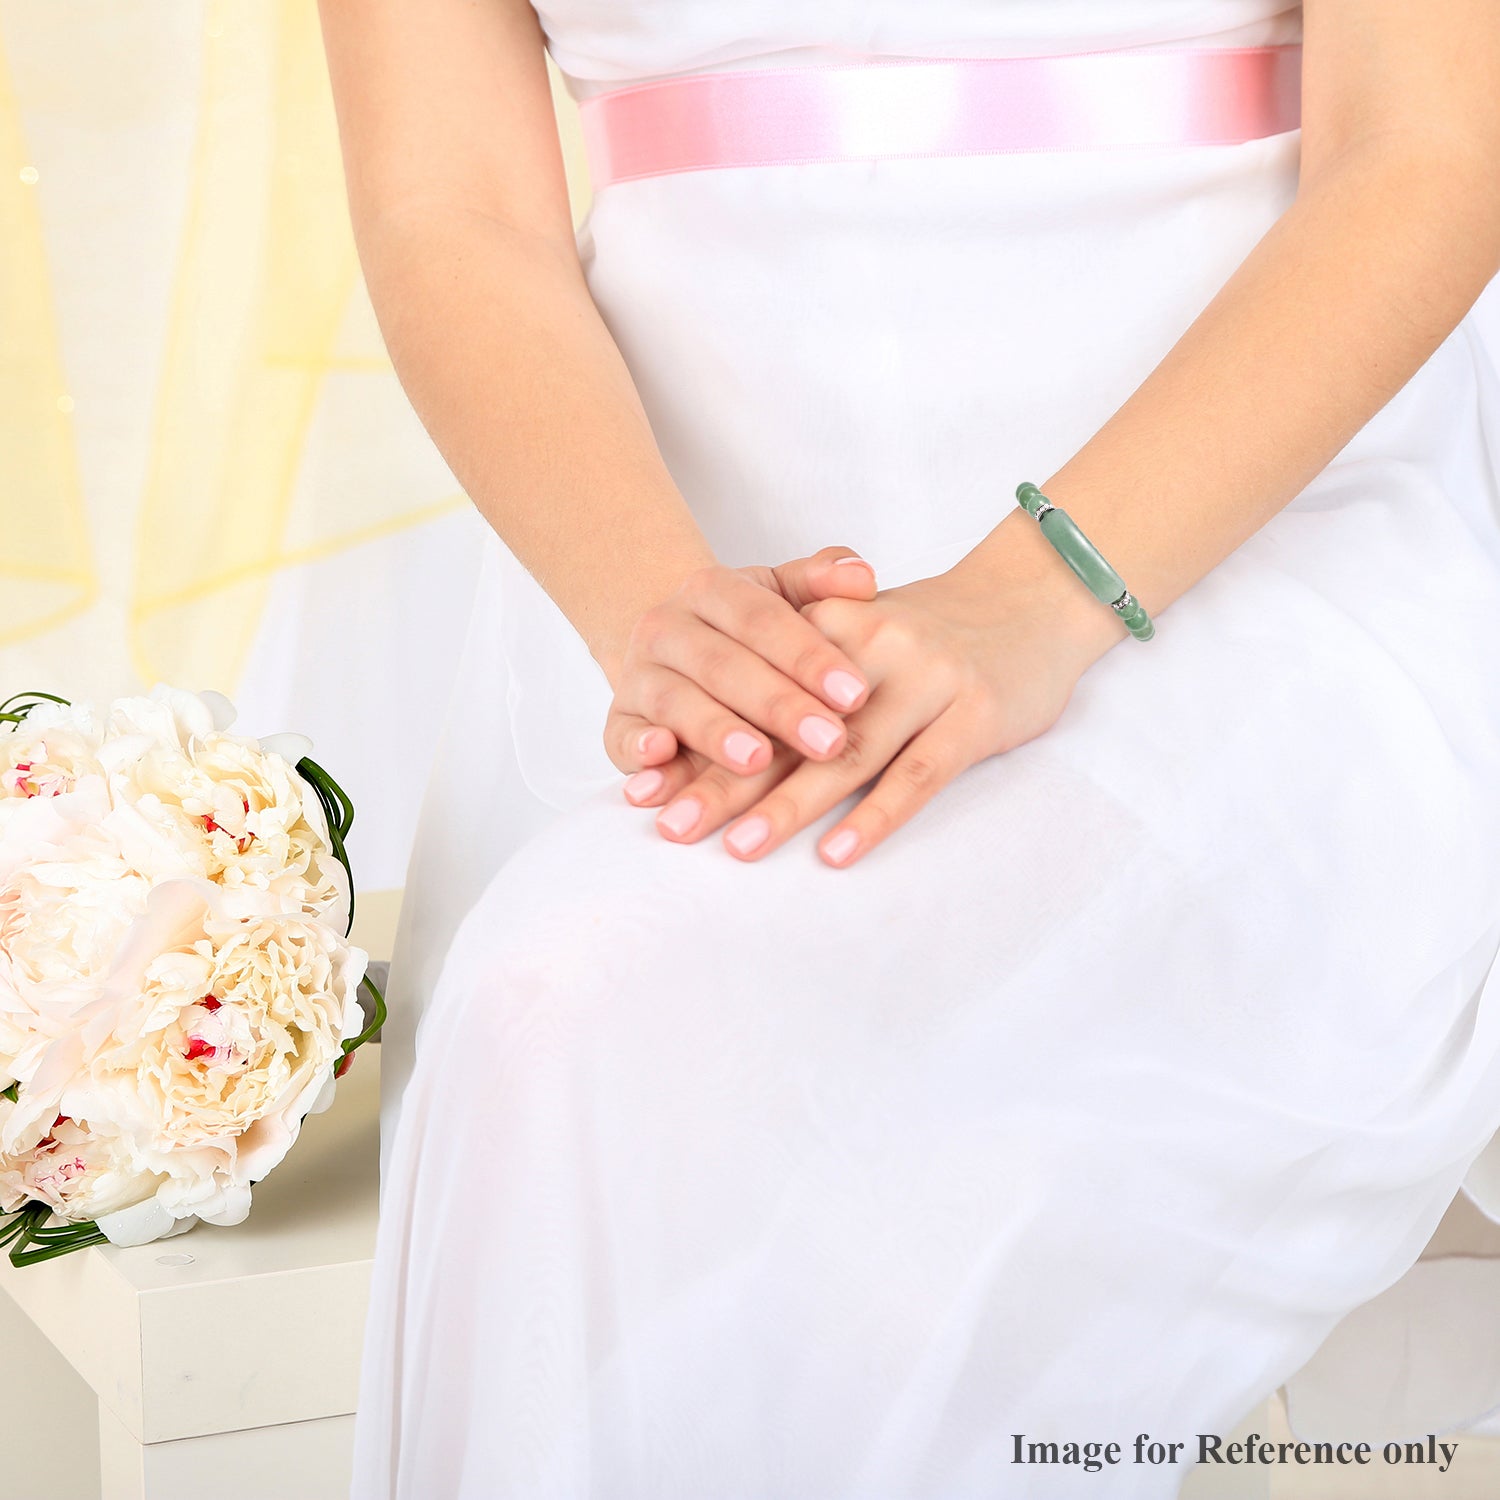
962 666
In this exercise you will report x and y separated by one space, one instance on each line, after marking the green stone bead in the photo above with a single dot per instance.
1031 498
1085 559
1082 556
1137 621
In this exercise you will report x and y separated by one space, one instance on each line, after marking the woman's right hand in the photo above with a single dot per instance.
727 664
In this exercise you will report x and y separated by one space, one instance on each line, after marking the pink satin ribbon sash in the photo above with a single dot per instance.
962 107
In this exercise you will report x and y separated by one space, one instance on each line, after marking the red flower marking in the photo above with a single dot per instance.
210 1002
197 1048
345 1063
242 843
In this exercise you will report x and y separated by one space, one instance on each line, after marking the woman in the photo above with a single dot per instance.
967 1025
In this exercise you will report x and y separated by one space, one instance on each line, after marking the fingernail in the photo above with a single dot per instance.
681 817
644 743
820 735
839 562
643 784
841 845
843 687
740 747
747 837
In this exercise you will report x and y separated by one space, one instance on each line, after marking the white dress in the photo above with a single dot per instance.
1089 1103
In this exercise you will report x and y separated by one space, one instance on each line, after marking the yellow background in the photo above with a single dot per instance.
202 443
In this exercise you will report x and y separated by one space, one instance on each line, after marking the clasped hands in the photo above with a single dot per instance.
756 699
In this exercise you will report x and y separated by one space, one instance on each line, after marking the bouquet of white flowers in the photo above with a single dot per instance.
176 993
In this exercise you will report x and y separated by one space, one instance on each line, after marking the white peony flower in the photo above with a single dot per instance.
67 898
174 989
49 752
260 826
212 1038
75 872
78 1173
168 716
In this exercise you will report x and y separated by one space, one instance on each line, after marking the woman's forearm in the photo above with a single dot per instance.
1341 302
512 371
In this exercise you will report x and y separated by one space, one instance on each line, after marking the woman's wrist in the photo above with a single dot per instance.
1017 559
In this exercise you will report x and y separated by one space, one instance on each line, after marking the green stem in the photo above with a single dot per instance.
21 1255
338 809
12 1226
28 1228
28 701
376 1021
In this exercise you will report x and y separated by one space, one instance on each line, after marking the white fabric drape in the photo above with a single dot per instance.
1104 1093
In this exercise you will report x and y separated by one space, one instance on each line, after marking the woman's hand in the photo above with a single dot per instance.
962 666
727 664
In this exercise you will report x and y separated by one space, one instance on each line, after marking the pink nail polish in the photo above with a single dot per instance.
819 735
740 747
643 784
841 845
843 687
747 837
681 817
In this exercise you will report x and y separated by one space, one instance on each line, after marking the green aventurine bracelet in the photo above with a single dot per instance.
1086 561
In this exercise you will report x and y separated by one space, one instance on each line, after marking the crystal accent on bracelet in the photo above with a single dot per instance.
1085 560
